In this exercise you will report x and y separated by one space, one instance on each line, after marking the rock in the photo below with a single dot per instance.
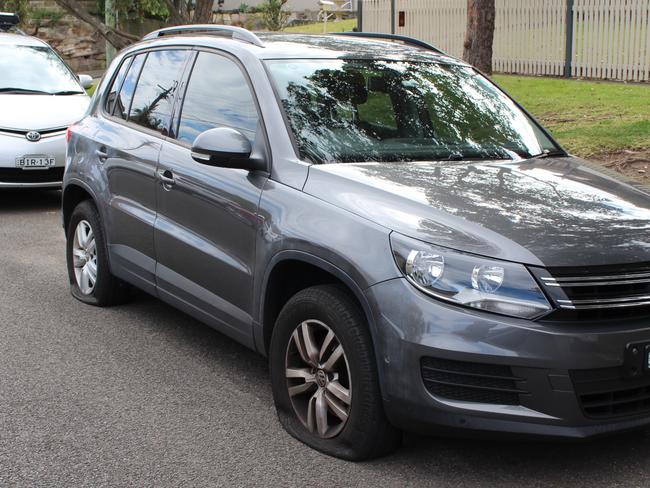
76 41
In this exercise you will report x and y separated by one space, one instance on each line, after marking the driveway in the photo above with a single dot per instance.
143 395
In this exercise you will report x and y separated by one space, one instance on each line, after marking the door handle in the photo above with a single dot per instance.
167 178
102 154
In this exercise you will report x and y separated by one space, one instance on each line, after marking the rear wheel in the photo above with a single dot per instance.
84 254
87 260
325 379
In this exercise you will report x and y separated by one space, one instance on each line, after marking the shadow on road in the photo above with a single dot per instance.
29 200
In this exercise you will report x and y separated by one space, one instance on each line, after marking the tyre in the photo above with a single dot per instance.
87 260
324 376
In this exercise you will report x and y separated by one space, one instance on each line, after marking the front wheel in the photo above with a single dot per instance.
324 376
87 260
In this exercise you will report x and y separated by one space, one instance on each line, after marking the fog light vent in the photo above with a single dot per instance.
471 382
605 393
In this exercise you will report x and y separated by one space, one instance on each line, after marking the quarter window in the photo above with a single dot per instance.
217 95
115 87
154 96
123 101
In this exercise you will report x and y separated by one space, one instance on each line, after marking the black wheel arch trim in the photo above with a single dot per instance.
308 258
85 187
93 196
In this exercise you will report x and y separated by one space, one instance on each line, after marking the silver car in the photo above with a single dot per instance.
40 97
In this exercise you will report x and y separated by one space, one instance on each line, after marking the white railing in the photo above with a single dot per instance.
377 16
607 39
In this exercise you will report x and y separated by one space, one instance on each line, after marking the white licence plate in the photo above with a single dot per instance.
35 162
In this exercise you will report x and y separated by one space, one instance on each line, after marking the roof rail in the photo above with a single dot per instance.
237 33
393 37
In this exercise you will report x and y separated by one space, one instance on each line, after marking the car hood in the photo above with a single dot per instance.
547 212
39 112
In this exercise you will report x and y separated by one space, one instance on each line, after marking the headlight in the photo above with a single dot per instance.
472 281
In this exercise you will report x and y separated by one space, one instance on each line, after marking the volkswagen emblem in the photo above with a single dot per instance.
321 378
33 136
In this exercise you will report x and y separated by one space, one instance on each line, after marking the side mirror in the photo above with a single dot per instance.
85 81
224 147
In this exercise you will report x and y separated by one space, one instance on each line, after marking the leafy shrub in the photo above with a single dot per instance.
275 18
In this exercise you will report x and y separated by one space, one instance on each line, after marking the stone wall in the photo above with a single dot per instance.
77 42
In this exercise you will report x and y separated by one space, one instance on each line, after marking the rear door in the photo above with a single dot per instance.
137 118
207 216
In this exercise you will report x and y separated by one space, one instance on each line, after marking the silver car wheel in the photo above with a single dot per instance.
318 379
84 255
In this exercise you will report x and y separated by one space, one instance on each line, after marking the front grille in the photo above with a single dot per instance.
18 175
471 382
599 292
606 393
42 132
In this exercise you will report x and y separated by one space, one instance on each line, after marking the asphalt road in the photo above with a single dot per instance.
142 395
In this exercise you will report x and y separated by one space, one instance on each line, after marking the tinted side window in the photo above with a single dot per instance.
154 95
217 95
117 82
126 92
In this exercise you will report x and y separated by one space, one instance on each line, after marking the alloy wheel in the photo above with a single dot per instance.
84 254
318 379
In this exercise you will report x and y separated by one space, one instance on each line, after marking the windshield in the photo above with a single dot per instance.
377 110
38 69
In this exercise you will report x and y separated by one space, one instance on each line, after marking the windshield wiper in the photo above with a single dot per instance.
22 90
488 155
547 154
39 92
67 92
476 157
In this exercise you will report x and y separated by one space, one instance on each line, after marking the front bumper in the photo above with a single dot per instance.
549 365
13 146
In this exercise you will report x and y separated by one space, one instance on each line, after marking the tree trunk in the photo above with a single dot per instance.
116 37
480 34
203 12
176 14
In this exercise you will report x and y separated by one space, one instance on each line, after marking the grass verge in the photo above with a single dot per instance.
588 118
342 26
91 89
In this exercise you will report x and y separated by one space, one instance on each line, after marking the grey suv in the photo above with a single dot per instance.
410 249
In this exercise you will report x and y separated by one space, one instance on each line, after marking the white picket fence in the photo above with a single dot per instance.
608 39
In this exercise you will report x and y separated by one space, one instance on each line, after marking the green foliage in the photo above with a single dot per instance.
586 117
153 8
273 14
43 14
20 7
137 9
243 8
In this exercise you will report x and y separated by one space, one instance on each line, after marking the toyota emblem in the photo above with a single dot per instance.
33 136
